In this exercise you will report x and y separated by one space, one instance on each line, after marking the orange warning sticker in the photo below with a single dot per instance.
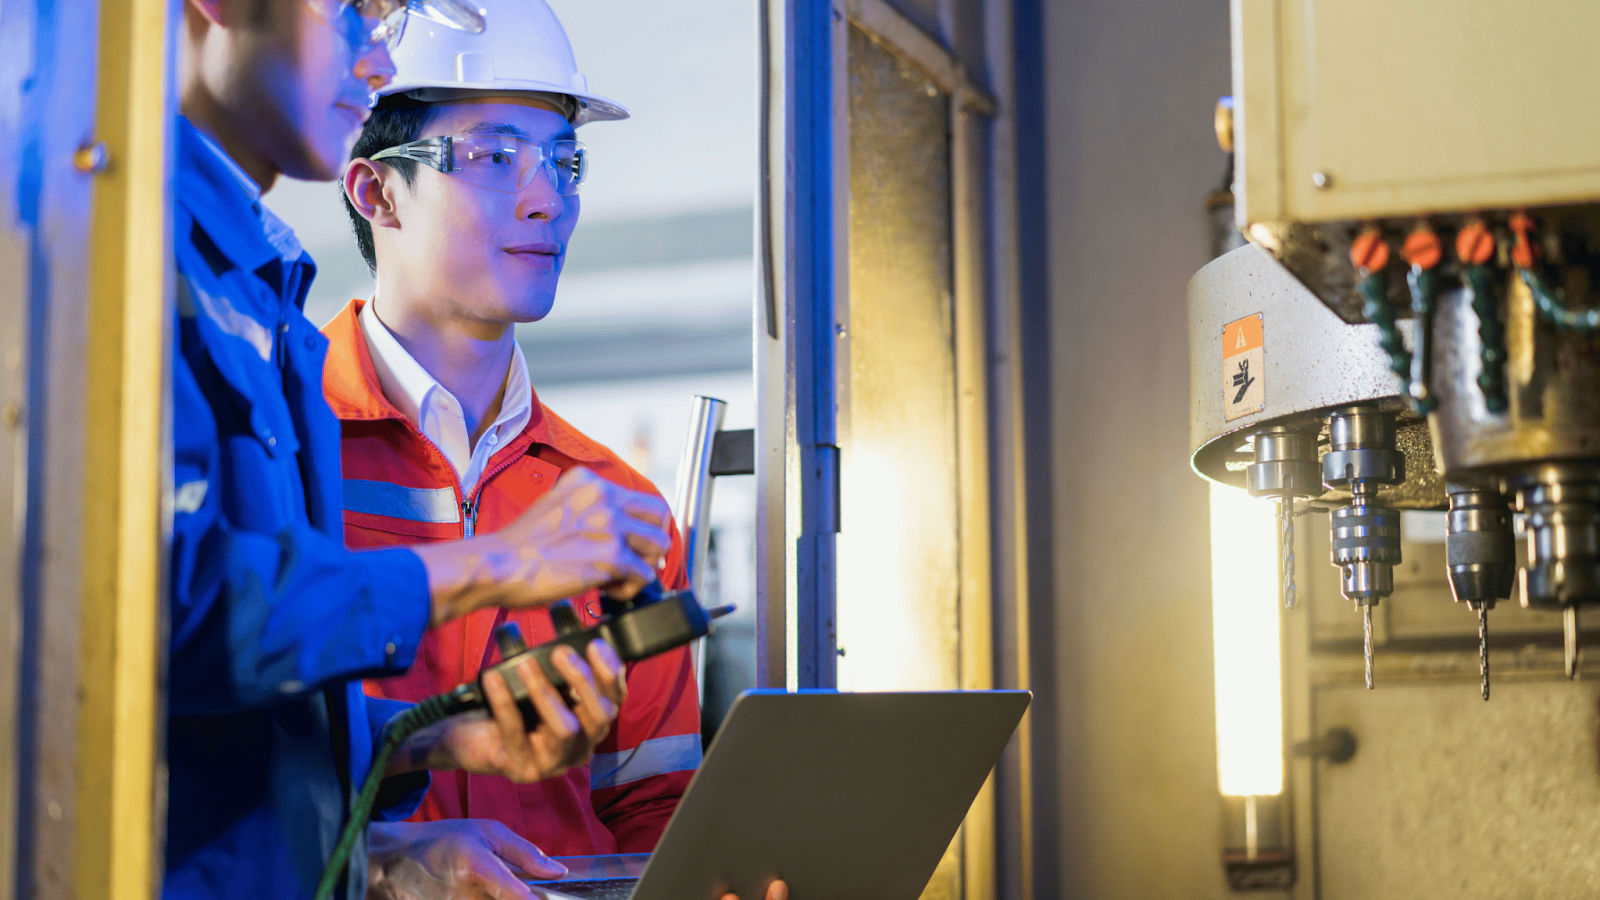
1241 335
1244 368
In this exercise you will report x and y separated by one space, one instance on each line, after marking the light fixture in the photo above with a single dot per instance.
1244 625
879 604
1248 666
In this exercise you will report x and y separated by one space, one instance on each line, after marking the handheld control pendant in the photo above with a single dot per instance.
653 622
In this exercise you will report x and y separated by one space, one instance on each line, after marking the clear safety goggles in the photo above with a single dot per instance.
366 24
499 162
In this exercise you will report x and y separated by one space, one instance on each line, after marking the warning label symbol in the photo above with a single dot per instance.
1242 380
1244 368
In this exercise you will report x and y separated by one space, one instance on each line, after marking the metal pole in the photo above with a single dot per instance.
694 504
694 484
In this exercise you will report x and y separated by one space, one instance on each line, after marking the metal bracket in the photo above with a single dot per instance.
734 452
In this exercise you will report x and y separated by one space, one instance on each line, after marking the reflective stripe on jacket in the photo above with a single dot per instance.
273 622
399 489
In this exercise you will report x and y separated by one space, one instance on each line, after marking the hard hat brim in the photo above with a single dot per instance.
591 107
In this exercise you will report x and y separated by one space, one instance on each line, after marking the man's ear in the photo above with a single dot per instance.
367 187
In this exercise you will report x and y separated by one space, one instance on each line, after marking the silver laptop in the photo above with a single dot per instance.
842 795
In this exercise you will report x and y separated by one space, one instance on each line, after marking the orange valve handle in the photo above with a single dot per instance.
1422 249
1368 252
1474 243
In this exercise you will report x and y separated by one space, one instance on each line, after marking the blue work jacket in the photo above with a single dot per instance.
273 621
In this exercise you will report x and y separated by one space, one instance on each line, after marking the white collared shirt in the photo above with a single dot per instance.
436 412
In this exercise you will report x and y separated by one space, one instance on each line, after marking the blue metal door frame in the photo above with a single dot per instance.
797 452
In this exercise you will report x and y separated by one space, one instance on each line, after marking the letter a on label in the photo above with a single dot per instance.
1244 368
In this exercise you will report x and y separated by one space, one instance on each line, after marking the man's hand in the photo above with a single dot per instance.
500 745
585 532
777 890
475 859
588 532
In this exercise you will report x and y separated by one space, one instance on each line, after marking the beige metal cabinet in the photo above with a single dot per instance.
1349 109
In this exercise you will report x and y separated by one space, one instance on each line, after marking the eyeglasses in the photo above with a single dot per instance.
364 24
499 162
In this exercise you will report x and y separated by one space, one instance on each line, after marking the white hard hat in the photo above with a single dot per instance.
522 48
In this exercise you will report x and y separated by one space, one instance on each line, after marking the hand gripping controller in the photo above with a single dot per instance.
653 622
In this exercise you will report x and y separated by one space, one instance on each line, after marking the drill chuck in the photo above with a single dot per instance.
1562 508
1479 547
1366 548
1365 535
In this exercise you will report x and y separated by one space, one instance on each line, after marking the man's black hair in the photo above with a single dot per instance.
396 120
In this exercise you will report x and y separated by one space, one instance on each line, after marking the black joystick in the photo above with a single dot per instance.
653 622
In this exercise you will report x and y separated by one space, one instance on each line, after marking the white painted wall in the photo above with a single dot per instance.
1131 85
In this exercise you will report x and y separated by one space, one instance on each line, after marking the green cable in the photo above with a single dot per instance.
1422 284
1551 306
403 726
1491 334
1380 313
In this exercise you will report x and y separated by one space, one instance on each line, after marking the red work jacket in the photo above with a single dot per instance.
400 489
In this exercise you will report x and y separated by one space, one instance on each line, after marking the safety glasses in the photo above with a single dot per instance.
366 24
499 162
363 24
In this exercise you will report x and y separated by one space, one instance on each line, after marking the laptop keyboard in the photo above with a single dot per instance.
604 889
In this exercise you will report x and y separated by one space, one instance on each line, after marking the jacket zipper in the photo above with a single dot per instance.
469 515
469 503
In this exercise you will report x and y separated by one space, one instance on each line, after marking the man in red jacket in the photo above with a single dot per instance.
463 193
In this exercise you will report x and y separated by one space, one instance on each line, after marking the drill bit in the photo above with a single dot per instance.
1286 520
1483 648
1569 643
1366 630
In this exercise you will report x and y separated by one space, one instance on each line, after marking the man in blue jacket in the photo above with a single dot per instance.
273 622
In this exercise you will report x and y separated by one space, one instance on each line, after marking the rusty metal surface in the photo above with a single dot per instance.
1553 383
898 584
899 614
1314 363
